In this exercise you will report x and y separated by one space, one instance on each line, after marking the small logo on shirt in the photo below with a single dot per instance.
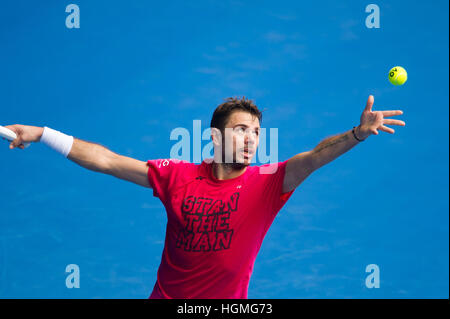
164 163
200 177
239 186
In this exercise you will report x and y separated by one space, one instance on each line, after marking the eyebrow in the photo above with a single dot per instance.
244 125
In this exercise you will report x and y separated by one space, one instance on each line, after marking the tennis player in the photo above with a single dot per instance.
218 211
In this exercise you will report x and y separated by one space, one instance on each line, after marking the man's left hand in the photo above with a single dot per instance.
372 121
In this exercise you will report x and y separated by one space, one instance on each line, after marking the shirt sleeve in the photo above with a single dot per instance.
273 186
162 174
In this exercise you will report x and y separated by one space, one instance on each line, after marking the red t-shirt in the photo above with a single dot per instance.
214 227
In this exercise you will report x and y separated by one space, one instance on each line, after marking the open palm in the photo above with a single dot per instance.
372 121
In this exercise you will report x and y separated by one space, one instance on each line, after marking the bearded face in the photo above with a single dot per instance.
240 140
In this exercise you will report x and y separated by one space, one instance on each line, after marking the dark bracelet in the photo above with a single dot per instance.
353 131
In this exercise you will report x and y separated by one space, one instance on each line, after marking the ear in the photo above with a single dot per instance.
216 136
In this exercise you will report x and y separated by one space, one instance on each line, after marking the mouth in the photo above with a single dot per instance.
246 152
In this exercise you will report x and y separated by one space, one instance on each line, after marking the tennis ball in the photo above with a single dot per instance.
397 75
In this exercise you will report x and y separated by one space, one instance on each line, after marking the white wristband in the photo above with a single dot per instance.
56 140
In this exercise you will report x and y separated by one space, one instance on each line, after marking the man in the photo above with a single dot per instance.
220 210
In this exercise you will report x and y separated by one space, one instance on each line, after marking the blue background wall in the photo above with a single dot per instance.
136 70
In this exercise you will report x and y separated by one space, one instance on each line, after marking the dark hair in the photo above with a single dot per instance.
232 104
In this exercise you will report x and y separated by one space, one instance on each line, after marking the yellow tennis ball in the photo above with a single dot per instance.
398 75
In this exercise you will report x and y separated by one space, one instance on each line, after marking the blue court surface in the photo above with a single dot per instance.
136 70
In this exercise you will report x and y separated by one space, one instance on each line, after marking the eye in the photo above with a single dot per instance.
239 130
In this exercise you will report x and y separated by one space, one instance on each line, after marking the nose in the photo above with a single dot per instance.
250 139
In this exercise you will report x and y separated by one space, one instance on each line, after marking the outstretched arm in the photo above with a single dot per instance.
98 158
300 166
92 156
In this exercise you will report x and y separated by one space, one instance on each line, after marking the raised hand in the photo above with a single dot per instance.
372 121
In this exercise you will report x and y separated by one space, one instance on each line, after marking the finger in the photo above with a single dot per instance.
369 103
393 122
386 129
392 113
17 142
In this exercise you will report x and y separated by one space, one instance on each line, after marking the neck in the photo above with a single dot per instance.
223 171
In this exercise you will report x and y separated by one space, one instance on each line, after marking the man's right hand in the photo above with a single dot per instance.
25 134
